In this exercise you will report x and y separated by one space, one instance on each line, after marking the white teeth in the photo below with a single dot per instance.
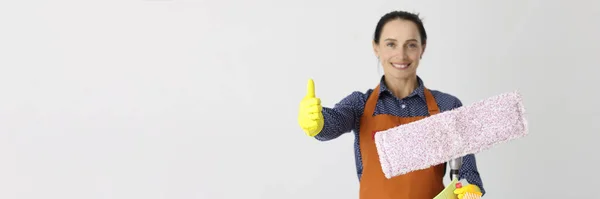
401 66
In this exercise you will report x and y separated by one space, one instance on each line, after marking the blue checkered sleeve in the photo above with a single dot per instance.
343 117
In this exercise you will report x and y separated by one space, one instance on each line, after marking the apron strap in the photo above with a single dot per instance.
431 103
372 102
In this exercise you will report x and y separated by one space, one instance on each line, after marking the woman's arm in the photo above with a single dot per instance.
343 117
469 169
469 172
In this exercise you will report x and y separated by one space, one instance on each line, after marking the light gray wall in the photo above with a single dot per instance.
198 99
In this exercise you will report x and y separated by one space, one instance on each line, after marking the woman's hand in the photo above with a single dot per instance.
310 117
470 189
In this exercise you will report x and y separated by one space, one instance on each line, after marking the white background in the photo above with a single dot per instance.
198 99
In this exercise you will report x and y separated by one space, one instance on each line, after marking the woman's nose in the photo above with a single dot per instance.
400 53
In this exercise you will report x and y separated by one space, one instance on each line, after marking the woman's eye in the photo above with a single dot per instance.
412 45
390 44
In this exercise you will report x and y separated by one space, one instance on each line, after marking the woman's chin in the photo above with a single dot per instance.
401 74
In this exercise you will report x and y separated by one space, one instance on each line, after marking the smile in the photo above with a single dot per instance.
400 66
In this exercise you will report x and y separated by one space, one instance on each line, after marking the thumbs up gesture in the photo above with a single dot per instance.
310 116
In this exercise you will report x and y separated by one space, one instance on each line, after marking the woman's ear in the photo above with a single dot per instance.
423 52
375 49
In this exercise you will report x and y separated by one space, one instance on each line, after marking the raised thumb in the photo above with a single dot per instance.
310 88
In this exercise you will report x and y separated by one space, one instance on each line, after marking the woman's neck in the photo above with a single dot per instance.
401 88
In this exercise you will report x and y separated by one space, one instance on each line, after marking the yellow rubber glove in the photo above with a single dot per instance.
310 116
470 188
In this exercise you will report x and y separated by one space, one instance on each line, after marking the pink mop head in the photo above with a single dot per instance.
451 134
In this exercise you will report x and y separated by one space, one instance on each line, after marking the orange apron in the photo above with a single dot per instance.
421 184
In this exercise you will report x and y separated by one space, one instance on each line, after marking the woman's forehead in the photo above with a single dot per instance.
400 30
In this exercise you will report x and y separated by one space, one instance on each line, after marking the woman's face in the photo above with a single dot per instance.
399 49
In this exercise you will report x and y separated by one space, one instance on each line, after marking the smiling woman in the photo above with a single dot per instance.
403 45
400 98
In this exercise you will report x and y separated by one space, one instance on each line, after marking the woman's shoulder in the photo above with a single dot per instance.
358 96
445 101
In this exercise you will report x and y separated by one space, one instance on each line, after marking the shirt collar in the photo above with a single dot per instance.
419 91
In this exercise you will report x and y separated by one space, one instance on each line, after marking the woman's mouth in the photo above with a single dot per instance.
401 66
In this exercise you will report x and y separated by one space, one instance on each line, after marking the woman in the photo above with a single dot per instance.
401 97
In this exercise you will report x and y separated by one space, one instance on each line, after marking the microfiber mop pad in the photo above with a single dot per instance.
451 134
